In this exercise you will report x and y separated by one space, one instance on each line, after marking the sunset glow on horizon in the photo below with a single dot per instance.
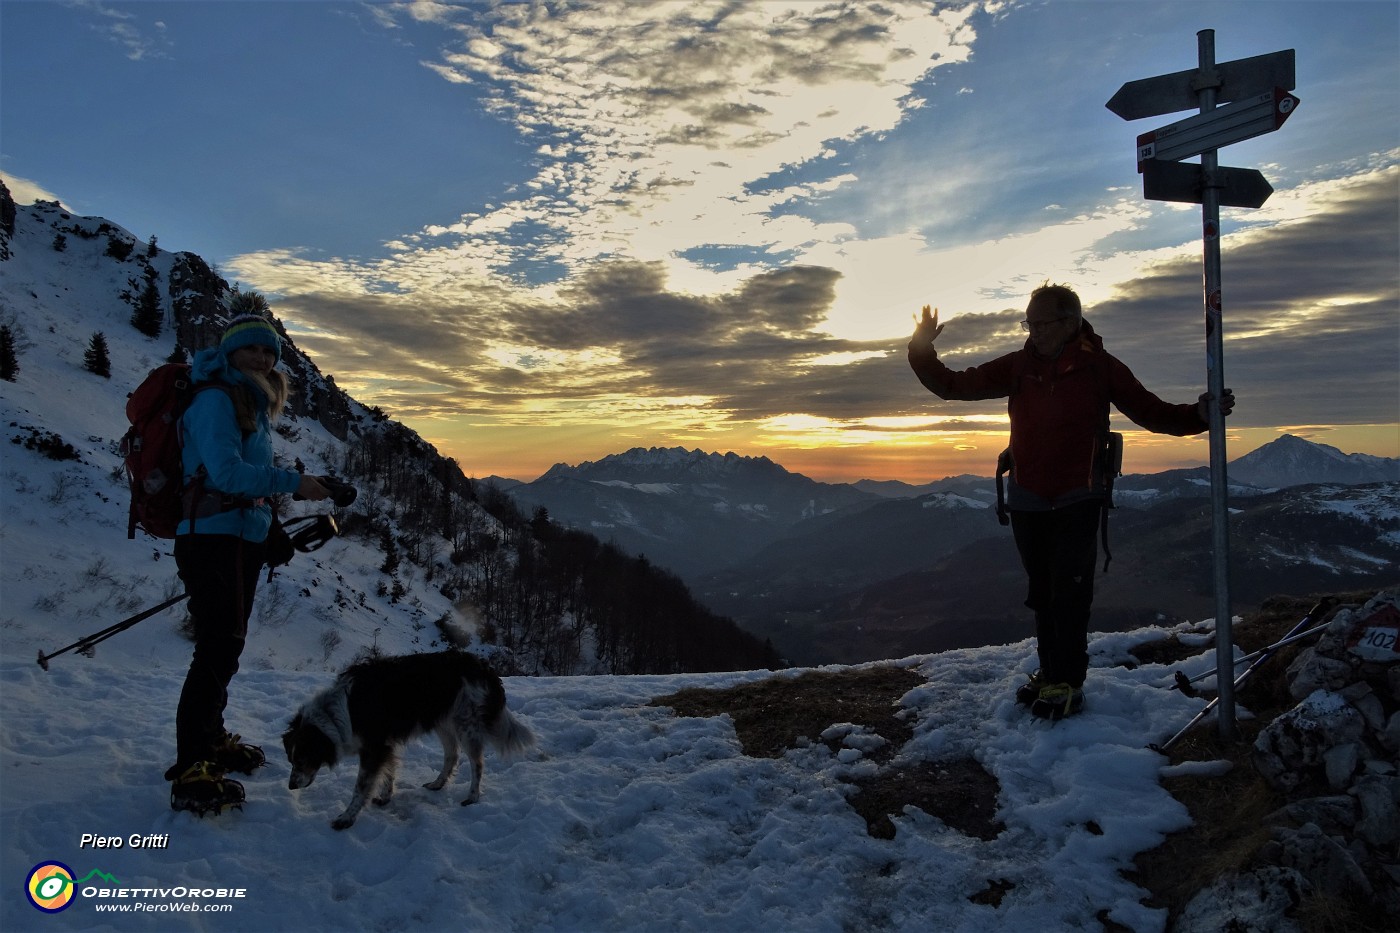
543 233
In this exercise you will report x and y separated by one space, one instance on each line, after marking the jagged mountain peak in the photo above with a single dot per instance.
675 462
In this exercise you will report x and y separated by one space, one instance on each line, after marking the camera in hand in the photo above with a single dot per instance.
342 494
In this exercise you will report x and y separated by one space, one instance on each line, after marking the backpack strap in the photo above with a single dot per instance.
1003 467
1004 461
198 500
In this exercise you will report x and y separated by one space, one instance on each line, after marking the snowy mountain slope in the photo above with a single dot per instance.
1293 461
421 558
70 569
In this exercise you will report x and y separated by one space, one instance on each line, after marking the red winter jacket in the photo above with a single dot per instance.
1058 408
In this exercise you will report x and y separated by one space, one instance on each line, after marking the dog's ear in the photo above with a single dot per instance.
292 727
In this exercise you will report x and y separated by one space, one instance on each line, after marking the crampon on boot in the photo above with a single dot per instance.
1056 701
236 755
202 788
1029 692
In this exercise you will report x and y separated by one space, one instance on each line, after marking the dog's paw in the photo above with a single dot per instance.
471 800
341 822
382 801
439 784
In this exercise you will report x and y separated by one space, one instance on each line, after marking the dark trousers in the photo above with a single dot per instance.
1059 549
220 573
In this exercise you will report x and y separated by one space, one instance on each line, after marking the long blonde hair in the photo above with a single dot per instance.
276 388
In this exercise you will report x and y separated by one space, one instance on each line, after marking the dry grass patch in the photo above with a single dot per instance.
774 715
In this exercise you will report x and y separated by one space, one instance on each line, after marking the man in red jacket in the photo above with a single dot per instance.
1060 385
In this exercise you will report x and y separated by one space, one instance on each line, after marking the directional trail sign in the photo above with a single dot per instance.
1233 123
1236 80
1185 181
1255 99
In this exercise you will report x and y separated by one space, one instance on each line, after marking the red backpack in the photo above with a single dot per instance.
151 448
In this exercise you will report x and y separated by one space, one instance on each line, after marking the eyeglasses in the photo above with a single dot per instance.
1031 326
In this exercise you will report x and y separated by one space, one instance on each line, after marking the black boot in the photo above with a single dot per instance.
202 788
236 755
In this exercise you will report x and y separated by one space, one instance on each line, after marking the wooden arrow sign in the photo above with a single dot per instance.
1185 181
1236 80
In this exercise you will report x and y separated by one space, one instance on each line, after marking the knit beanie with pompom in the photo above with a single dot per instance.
248 330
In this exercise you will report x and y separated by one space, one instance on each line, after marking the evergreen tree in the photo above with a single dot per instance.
148 316
177 355
391 553
151 248
95 359
60 242
9 361
119 249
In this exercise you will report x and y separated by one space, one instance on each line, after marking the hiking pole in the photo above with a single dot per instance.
1294 635
1264 655
96 637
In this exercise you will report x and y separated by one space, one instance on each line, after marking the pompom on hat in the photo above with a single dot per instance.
249 330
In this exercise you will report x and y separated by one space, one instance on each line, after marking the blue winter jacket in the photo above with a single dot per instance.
236 464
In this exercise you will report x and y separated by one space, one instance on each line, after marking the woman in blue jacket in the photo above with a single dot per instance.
219 547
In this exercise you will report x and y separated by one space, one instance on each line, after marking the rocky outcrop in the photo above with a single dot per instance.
196 302
7 220
1335 754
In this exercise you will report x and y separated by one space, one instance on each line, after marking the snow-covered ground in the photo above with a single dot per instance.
625 818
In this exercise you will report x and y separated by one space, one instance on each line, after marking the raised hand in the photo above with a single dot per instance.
926 330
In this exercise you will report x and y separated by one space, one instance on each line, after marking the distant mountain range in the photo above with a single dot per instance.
683 509
850 572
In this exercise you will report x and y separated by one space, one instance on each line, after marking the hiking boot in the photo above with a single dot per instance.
1029 692
1056 701
202 788
236 755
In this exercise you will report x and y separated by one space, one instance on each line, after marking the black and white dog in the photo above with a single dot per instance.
374 708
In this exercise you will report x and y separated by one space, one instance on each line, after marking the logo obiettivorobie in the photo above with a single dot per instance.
51 886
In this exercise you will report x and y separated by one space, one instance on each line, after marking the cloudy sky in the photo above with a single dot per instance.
549 232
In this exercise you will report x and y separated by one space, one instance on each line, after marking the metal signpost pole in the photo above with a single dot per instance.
1215 383
1254 92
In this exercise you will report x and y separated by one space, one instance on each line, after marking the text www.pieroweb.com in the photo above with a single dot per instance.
186 900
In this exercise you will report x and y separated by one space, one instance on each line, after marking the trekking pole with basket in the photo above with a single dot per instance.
1296 634
84 644
312 533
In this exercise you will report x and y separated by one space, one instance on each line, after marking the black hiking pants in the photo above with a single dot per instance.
220 573
1059 549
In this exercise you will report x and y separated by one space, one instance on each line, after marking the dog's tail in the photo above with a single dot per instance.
509 735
